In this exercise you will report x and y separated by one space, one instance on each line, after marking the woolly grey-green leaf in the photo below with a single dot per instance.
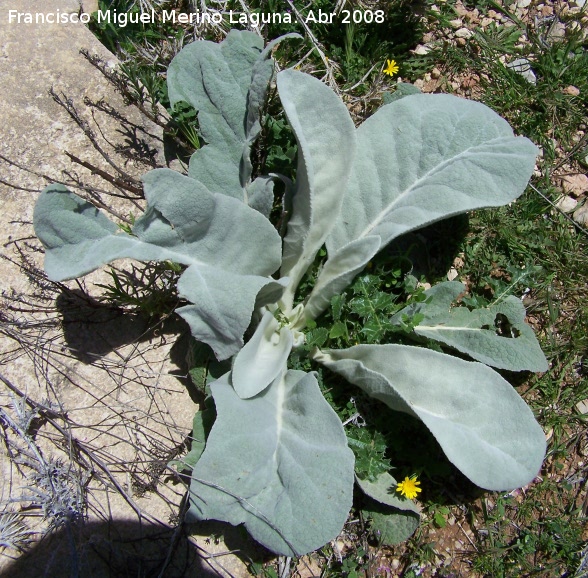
227 84
383 490
278 463
215 235
426 157
496 335
483 426
262 358
390 526
326 143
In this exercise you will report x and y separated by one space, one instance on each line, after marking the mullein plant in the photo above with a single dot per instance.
276 458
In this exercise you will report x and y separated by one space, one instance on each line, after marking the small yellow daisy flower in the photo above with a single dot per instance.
409 487
391 68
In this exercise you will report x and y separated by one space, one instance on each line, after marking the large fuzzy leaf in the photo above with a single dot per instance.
383 490
481 423
216 236
278 463
326 146
496 335
227 84
424 158
215 79
388 525
262 358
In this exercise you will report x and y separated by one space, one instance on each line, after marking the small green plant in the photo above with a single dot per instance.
277 458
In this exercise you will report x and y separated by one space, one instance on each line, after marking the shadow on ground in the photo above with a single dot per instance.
125 548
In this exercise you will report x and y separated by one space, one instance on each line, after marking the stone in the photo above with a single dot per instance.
557 31
522 66
422 49
581 215
574 185
566 204
116 384
571 90
464 33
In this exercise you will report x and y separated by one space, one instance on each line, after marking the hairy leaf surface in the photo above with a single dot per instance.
427 157
383 490
278 463
215 235
227 84
496 335
262 358
481 423
326 146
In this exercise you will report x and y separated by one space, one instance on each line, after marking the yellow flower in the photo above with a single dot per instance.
409 487
392 68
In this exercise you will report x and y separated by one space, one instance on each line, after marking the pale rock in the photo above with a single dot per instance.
523 67
486 22
566 204
574 185
419 83
493 14
452 274
463 33
571 90
523 3
582 406
435 73
556 32
461 10
461 41
457 23
422 49
581 215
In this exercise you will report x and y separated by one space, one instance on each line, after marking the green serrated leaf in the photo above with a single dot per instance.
369 448
316 337
339 329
